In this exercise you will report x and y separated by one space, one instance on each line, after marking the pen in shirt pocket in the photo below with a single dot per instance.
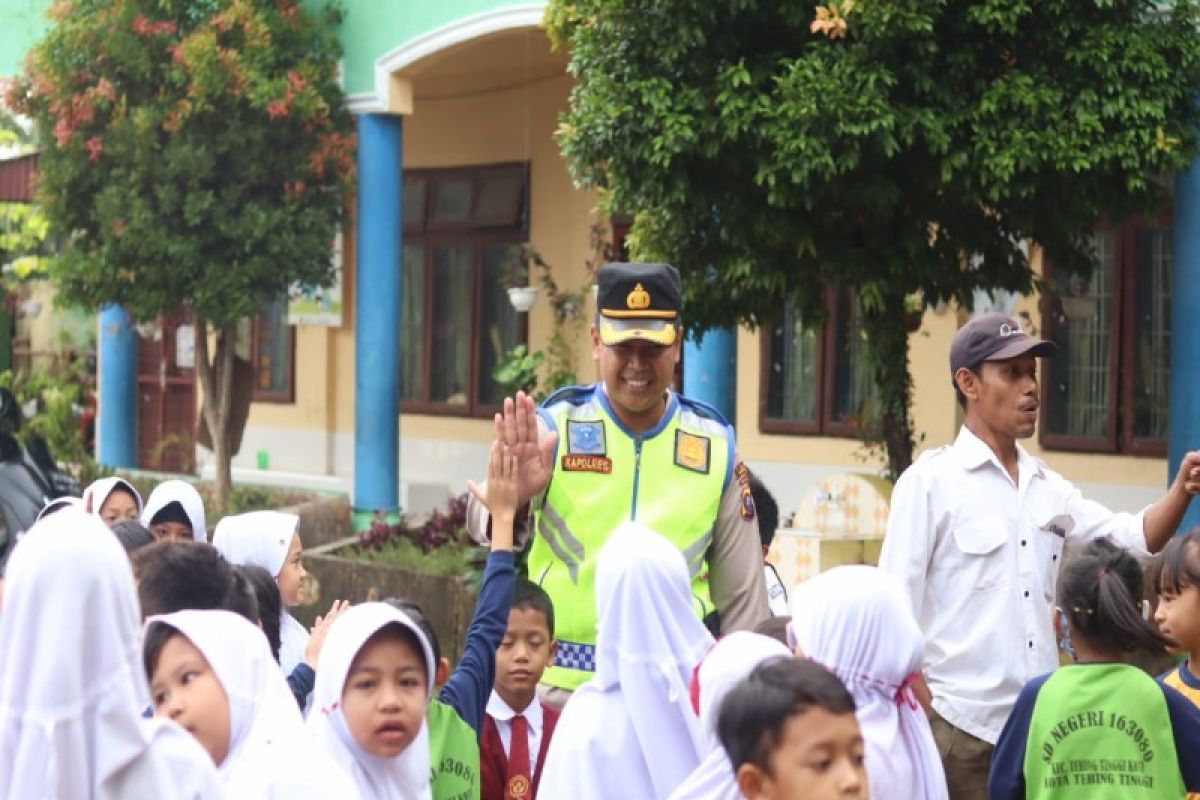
1060 525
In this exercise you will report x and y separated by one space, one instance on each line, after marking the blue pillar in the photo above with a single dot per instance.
710 370
116 428
1185 330
377 315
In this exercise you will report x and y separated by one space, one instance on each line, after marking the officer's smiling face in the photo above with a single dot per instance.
636 375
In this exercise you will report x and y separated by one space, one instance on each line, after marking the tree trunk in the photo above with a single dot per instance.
887 355
216 386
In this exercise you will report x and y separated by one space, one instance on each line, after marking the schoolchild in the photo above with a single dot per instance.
374 684
519 728
175 511
855 620
1099 728
456 713
730 660
791 734
113 500
631 730
211 672
71 679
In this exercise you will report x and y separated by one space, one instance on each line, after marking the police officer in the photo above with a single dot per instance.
629 448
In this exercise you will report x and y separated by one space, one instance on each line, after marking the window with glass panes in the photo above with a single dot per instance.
815 380
461 229
1108 389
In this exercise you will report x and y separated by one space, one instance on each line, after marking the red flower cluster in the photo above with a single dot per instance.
142 26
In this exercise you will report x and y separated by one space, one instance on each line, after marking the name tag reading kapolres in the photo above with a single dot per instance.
585 463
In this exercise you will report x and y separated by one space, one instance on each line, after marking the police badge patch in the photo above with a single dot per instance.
586 438
692 452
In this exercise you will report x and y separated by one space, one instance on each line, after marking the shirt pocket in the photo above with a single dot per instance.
1050 537
979 543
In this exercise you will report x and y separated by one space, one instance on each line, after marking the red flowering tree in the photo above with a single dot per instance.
197 153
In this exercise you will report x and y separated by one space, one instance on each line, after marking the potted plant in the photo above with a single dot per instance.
520 293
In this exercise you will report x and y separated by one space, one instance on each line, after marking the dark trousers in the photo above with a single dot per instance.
967 760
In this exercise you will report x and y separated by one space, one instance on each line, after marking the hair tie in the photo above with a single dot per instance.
905 694
1103 571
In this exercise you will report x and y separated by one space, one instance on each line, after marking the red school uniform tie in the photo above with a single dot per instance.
517 783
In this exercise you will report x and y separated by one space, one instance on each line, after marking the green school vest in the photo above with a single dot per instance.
1101 731
670 479
453 754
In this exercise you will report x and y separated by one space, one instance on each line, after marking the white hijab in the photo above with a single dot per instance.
56 505
269 756
405 777
96 494
72 686
732 658
856 621
182 492
262 538
630 731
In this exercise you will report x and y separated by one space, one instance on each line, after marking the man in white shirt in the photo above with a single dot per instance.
976 534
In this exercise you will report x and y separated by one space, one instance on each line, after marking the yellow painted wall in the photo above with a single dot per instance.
503 126
517 125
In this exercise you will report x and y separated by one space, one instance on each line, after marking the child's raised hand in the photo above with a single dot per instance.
499 492
316 638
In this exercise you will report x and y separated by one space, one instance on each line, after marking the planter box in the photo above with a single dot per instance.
323 521
446 600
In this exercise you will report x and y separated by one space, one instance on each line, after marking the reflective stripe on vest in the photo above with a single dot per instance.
612 478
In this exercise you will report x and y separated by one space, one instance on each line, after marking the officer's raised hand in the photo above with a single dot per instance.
518 427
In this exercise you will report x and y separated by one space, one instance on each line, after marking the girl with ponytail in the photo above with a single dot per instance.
1099 728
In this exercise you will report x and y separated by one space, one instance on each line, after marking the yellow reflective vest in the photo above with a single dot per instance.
669 479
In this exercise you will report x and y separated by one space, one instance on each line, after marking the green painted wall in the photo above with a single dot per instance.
372 28
22 23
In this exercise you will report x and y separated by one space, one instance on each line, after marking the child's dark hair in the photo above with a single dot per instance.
752 716
415 613
269 601
1179 565
1101 592
530 596
153 643
766 508
132 535
173 576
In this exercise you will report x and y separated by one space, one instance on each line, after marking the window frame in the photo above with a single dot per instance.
258 395
431 235
828 351
1119 438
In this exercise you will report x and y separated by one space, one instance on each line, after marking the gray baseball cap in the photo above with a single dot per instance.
994 337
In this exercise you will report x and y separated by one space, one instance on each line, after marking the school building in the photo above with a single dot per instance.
387 392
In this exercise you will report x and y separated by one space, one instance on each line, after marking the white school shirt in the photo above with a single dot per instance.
978 557
502 714
777 597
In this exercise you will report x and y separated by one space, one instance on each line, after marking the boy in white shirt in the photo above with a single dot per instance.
517 730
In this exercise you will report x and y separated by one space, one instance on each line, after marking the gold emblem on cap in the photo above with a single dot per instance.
638 299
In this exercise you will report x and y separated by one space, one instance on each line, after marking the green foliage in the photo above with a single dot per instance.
401 551
57 393
194 150
518 370
25 243
772 149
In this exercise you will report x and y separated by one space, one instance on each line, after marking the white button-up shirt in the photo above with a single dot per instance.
503 715
979 557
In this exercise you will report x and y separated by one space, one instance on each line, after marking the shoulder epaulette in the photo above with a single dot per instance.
700 408
574 395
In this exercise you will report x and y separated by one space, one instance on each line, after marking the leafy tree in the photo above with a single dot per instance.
197 153
904 148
